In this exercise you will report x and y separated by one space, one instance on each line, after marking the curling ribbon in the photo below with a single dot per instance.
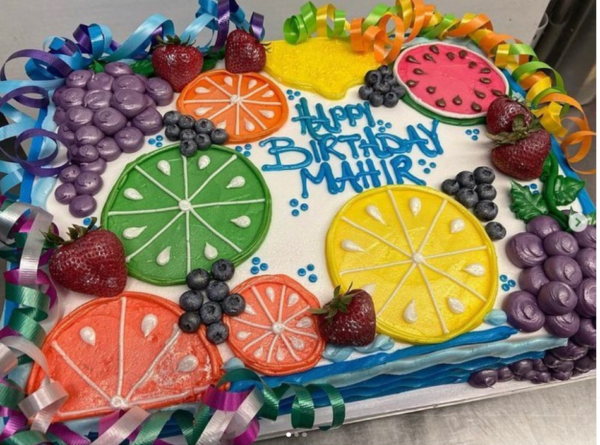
543 84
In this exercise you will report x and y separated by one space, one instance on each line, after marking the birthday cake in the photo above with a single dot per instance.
346 214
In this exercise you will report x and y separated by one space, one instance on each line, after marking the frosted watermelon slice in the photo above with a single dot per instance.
449 82
116 353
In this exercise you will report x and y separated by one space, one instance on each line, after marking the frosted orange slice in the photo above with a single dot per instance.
277 334
126 351
249 106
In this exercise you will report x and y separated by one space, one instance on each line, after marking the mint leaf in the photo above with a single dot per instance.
143 67
525 205
567 189
591 217
546 169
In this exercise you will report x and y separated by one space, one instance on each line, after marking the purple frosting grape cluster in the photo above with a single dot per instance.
102 115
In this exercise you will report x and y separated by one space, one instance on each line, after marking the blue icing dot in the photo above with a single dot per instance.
254 270
469 132
503 278
313 278
152 141
247 146
304 207
295 212
256 260
512 283
476 131
238 148
247 153
297 93
496 317
301 272
264 266
426 171
159 144
388 125
505 287
379 122
533 186
294 202
536 192
291 97
159 137
433 165
289 92
87 221
310 267
475 138
422 162
382 129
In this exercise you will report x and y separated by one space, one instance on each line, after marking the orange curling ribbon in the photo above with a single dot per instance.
543 85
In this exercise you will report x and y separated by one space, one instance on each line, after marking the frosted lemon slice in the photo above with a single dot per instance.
425 259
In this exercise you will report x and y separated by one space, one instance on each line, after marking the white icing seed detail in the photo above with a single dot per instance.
88 335
415 206
237 182
457 225
410 313
292 299
305 322
149 323
476 269
370 288
243 335
228 80
164 167
202 111
297 343
202 90
210 252
164 257
269 93
456 306
187 364
267 113
252 84
351 246
250 309
280 356
203 162
270 294
373 212
248 125
259 352
242 221
222 125
133 232
132 194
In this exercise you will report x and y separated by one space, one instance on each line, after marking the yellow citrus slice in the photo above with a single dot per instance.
426 260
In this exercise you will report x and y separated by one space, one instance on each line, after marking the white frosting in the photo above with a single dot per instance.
248 125
456 306
187 363
237 182
351 246
242 221
410 312
259 352
201 111
132 194
457 225
210 252
249 309
164 167
370 288
203 162
88 335
228 80
280 355
415 206
164 256
305 322
252 84
292 299
149 323
373 212
269 114
133 232
476 269
202 90
270 293
297 343
243 335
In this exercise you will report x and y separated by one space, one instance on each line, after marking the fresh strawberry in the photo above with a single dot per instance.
244 53
348 319
522 157
92 261
501 115
177 62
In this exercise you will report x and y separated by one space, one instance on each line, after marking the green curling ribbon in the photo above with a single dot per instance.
27 327
11 395
26 438
440 28
536 65
300 27
303 407
375 15
37 303
335 400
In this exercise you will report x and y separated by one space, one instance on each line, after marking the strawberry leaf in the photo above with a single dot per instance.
567 189
525 205
97 67
211 59
143 67
591 217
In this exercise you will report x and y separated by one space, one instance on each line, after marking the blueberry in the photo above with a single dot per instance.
197 279
171 118
372 77
204 126
233 305
219 136
495 231
389 78
365 92
486 210
186 122
188 148
191 300
486 191
210 313
376 99
203 141
390 100
450 187
382 87
217 291
217 333
467 197
190 322
484 175
186 134
398 89
172 132
384 69
466 179
222 270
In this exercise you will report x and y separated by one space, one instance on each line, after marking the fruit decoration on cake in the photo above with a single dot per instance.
91 261
381 88
176 61
244 53
194 134
248 106
123 352
449 82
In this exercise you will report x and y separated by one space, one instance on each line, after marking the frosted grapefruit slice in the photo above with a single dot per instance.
126 351
449 82
249 106
277 334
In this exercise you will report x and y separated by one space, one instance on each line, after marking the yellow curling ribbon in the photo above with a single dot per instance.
543 85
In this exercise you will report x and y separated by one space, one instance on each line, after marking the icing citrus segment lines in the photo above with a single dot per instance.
215 232
433 300
262 304
227 203
155 237
380 266
401 222
141 212
374 235
212 176
121 345
397 289
455 252
158 184
454 280
432 225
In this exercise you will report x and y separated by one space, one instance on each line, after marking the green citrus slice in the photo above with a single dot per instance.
174 214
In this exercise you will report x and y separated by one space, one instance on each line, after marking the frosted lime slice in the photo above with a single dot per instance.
174 214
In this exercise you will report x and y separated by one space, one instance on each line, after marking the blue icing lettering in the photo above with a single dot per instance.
327 158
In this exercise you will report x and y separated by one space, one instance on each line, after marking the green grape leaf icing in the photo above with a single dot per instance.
525 205
567 189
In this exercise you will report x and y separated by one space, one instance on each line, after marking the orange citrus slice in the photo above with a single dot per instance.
276 334
249 106
115 353
425 259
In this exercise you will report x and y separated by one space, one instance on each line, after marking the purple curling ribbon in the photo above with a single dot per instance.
224 401
16 421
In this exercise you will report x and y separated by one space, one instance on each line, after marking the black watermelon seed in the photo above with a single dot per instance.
457 100
440 103
476 107
462 54
429 57
434 49
485 70
485 80
412 59
480 94
412 83
430 90
450 55
497 93
472 64
418 71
